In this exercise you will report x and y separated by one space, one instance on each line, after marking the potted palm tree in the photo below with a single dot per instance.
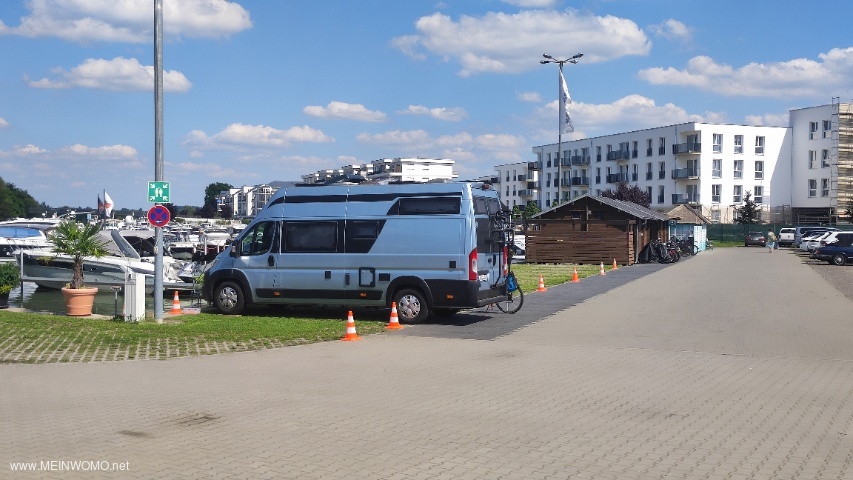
9 279
78 242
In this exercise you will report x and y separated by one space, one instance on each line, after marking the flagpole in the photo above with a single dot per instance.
158 152
560 80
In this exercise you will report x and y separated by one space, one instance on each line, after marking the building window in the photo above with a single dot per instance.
812 159
715 216
635 175
758 194
649 173
598 153
812 188
548 179
812 130
738 169
738 143
547 199
717 168
515 176
759 170
827 129
634 151
718 143
549 161
649 150
649 193
716 189
824 187
661 146
660 194
598 175
824 158
662 170
738 194
759 145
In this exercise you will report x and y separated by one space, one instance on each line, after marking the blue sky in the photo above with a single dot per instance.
264 90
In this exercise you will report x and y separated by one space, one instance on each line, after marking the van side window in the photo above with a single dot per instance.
362 234
311 237
258 239
428 206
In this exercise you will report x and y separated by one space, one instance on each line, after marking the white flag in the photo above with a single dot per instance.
565 120
108 204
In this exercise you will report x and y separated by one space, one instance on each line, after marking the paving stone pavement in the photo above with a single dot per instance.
737 364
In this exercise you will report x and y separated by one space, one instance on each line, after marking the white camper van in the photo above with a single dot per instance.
431 248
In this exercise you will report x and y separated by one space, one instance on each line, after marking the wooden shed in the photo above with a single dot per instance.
590 230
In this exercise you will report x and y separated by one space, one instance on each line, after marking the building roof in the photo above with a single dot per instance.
686 214
638 211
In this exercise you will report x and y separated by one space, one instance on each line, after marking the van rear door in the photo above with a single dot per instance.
491 259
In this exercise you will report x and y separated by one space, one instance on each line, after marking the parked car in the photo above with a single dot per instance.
754 238
843 238
808 244
835 254
802 232
786 236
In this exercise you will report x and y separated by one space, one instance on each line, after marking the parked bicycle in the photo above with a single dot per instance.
504 233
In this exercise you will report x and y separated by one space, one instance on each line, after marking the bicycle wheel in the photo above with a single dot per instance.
695 249
513 302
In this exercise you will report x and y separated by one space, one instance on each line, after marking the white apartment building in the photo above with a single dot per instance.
798 174
391 169
245 201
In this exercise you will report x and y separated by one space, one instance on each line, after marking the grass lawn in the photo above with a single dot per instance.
38 338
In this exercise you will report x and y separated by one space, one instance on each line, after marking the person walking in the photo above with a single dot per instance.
771 240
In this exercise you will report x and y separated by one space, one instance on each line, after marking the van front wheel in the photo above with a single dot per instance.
411 306
228 298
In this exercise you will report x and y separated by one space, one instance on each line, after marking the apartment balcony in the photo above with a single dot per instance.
580 180
531 185
619 155
617 178
684 199
528 192
685 173
686 148
580 160
565 162
534 166
521 178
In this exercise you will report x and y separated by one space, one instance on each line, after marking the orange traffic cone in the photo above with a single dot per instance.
541 285
575 276
394 323
601 271
615 267
351 333
176 305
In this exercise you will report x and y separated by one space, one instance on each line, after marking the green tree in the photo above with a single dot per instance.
633 194
531 209
15 202
749 213
211 193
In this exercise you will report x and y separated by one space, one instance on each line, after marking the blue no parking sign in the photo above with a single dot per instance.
158 216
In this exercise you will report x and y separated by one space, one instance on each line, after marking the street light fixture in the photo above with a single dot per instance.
573 60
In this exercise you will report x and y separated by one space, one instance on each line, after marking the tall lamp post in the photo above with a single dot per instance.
550 59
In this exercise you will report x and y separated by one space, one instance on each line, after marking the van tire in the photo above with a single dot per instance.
228 298
411 306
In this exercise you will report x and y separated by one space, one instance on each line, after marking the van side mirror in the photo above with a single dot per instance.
234 250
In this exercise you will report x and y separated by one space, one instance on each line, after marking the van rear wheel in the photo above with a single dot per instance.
228 298
411 306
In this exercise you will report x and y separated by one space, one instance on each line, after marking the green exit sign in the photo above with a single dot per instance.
158 192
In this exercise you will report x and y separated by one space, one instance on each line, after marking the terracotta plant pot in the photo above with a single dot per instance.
79 301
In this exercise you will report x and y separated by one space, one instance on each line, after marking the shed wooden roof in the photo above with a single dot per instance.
637 211
686 214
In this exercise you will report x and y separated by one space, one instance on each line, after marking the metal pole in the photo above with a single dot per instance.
158 151
559 139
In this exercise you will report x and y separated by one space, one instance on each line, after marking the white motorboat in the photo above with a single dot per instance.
16 238
48 269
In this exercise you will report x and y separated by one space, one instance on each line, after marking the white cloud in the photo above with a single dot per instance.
533 97
412 138
129 21
3 123
500 42
768 120
672 29
452 114
111 152
631 112
799 77
255 136
29 149
119 74
344 111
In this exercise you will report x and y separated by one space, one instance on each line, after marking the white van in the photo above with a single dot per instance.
430 247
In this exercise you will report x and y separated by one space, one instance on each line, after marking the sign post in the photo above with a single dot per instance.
158 216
